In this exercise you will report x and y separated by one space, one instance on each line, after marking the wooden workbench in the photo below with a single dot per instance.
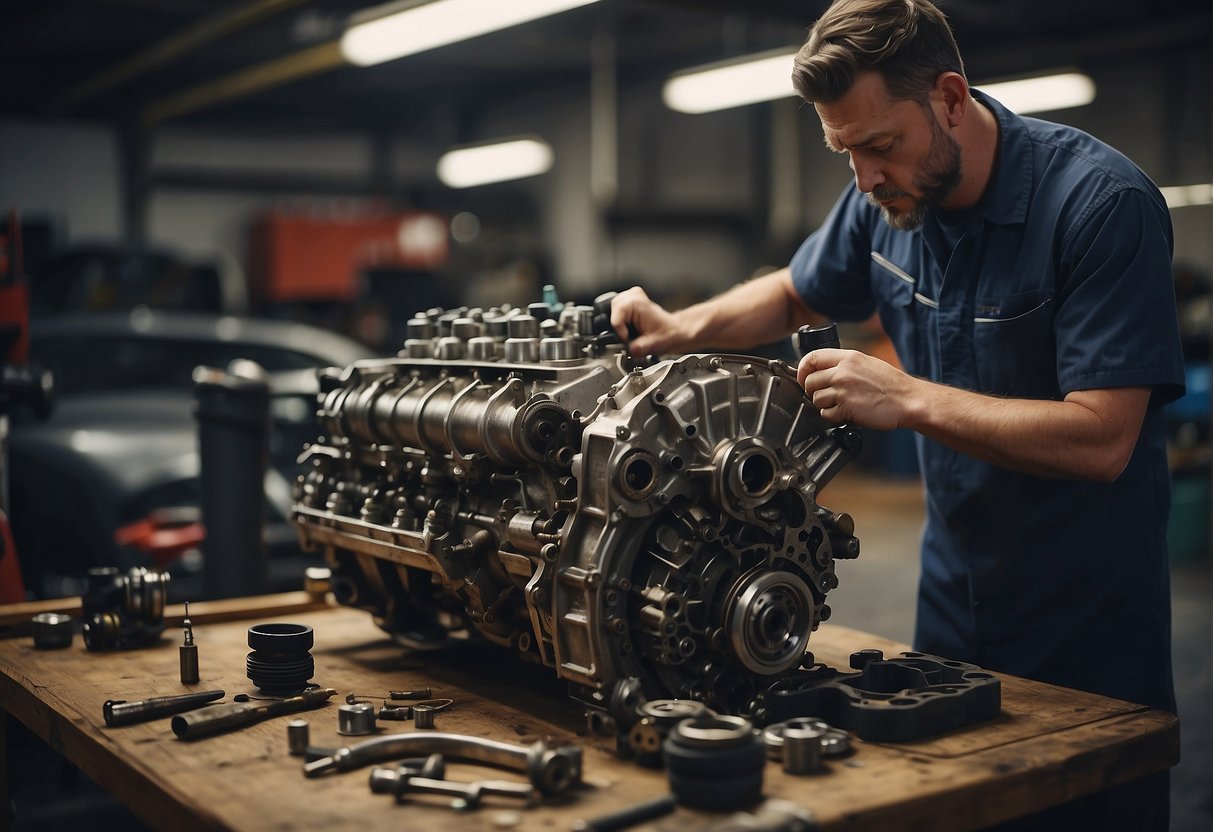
1050 744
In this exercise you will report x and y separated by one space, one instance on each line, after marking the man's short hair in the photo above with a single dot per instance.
908 41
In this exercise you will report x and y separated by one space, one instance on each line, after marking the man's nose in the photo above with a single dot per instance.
867 174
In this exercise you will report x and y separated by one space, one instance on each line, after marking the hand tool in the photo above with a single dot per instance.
239 714
120 712
188 652
550 769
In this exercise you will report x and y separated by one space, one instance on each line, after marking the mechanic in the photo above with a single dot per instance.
1022 270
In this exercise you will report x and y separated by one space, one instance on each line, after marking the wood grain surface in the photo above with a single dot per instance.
1049 745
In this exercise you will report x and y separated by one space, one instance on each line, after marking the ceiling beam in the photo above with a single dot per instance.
310 61
172 48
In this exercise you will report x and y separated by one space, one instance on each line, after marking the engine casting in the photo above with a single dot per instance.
513 473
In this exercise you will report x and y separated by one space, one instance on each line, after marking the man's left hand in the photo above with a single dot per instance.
853 387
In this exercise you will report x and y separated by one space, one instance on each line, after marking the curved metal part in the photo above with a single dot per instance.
610 521
900 699
834 741
550 769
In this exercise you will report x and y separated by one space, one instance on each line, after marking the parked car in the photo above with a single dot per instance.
122 441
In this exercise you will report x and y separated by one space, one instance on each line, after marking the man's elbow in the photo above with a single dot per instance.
1111 462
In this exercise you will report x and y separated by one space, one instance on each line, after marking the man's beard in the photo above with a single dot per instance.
939 177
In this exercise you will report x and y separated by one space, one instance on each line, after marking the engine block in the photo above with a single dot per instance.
519 477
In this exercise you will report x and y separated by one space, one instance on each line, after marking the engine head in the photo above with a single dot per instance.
650 528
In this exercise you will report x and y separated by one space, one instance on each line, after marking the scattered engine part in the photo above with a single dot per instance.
802 750
220 718
123 611
516 475
120 712
356 720
423 716
656 718
715 762
393 781
417 693
890 700
280 662
834 741
395 695
188 652
550 769
298 737
52 630
628 817
403 713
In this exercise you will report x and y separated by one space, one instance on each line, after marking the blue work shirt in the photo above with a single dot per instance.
1060 280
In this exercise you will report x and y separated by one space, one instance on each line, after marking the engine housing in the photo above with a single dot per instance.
525 480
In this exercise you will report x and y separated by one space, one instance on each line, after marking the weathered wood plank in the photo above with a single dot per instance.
1049 745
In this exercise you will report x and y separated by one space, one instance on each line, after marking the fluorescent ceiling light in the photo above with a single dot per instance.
1182 196
1047 92
768 76
464 167
762 77
394 30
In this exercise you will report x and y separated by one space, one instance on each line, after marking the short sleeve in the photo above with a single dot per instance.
1116 324
830 269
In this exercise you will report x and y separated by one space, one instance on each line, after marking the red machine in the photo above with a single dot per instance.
20 384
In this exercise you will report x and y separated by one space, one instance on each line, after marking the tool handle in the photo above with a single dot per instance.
215 719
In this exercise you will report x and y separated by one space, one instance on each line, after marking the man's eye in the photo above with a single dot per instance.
883 148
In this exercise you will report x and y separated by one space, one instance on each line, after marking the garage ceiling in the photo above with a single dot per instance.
131 60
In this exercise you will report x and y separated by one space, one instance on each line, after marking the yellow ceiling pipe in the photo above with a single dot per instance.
175 46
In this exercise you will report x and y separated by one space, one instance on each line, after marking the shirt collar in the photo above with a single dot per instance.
1005 200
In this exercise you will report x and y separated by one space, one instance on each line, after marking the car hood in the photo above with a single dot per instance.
115 443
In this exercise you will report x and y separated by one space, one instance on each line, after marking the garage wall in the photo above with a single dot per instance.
64 171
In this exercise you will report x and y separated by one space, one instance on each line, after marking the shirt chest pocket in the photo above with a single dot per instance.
894 289
1014 345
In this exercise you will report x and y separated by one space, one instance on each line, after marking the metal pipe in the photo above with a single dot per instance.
174 47
320 58
551 770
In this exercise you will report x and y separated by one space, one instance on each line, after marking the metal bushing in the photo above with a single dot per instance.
298 737
52 630
802 750
356 720
715 762
423 716
280 662
835 742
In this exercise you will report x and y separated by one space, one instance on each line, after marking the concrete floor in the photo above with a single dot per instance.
876 593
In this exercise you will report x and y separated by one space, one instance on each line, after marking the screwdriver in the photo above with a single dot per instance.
120 712
222 718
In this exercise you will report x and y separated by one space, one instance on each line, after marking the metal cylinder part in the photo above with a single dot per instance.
802 750
558 349
356 720
418 347
466 328
298 736
188 659
522 350
423 716
52 630
482 348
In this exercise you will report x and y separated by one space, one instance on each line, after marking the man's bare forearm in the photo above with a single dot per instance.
755 312
1090 435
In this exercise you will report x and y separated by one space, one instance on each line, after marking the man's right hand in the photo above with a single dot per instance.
659 331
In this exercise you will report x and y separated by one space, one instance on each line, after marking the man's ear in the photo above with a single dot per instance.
951 92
